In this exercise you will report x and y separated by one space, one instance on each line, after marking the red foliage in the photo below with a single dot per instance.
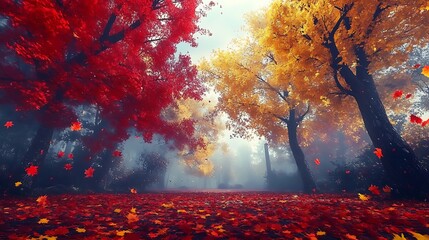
68 166
118 56
397 94
415 119
241 215
8 124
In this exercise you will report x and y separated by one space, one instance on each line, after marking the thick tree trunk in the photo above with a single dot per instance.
298 154
399 160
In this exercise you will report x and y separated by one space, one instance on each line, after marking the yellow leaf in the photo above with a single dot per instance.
321 233
181 211
419 236
397 237
425 71
167 205
17 184
157 222
45 237
363 197
43 221
282 201
117 210
133 210
122 233
80 230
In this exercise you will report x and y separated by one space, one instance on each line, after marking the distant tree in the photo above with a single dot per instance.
246 79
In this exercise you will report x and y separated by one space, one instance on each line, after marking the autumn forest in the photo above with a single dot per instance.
311 123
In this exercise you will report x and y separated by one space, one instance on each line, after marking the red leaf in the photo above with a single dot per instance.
68 167
117 153
70 156
417 66
57 231
89 172
8 124
424 123
374 189
317 161
408 95
415 119
397 94
60 154
32 170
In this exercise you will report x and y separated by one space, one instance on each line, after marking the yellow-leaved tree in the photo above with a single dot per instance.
342 46
245 78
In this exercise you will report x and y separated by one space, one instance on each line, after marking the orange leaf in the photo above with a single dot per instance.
425 71
76 126
132 217
42 200
378 152
133 190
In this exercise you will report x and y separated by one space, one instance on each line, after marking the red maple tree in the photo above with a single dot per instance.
116 55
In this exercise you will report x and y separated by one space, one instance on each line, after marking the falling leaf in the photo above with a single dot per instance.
397 94
387 189
76 126
374 189
408 95
417 66
32 170
132 217
60 154
133 190
317 161
8 124
70 156
378 152
415 119
425 71
68 166
43 221
42 200
89 172
17 184
363 197
117 153
347 171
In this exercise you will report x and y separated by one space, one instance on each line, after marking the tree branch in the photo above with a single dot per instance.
301 117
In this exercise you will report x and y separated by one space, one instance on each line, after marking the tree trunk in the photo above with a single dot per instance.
39 147
298 154
399 160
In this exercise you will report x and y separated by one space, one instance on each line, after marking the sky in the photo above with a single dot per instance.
225 21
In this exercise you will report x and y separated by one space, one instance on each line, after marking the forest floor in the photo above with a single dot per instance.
209 215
